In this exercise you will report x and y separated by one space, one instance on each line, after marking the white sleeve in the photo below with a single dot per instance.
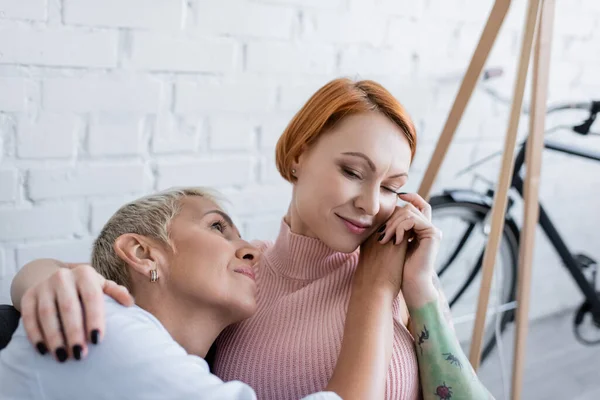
139 359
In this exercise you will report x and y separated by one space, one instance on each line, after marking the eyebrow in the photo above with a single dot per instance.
370 163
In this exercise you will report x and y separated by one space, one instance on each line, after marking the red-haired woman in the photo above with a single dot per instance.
347 153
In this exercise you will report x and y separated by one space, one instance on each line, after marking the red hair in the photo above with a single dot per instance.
334 101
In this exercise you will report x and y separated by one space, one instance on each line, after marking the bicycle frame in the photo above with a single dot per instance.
550 230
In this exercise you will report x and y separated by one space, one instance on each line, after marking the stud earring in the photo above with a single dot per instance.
293 172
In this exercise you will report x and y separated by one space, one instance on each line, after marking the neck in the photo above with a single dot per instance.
295 223
195 327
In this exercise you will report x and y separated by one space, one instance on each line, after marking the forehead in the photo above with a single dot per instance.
372 133
197 206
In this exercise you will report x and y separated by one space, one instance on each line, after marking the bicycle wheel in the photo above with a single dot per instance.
463 223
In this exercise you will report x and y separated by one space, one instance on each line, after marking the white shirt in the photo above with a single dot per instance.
137 359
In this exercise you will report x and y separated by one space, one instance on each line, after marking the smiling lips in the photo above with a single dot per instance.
354 227
246 271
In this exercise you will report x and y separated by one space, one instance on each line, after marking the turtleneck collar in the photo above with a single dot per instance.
302 257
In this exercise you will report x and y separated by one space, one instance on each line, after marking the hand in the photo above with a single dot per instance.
61 311
412 223
380 266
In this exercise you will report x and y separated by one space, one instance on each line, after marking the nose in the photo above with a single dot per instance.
246 251
368 201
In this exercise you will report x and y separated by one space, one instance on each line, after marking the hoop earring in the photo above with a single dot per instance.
153 275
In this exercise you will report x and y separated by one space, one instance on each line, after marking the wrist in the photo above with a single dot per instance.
419 292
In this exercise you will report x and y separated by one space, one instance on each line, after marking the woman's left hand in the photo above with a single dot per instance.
412 222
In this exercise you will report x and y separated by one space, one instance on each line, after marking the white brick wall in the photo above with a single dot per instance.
101 102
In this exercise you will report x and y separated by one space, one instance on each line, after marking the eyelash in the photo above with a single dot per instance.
221 224
353 175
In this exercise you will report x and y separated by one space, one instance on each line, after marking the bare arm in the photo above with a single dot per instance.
31 274
444 369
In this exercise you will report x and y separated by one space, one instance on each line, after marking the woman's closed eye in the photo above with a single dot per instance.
352 174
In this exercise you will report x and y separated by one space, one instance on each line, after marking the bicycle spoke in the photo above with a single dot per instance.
462 242
469 279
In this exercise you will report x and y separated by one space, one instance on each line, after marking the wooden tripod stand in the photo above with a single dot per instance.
538 24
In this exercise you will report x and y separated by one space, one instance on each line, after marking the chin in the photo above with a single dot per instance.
245 309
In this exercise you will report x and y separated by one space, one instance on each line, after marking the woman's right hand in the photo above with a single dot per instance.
60 312
380 265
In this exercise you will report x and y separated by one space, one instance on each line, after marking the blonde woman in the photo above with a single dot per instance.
179 254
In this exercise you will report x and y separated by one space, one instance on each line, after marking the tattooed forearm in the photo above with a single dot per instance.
441 358
453 360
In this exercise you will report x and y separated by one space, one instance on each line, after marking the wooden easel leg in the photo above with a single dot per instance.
533 163
482 51
501 195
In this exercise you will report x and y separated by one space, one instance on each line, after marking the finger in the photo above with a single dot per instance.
417 201
30 322
71 316
403 227
50 324
118 292
397 228
92 298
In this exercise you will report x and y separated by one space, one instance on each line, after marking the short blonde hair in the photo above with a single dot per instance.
148 216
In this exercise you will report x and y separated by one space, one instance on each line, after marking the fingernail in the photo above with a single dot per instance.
401 193
394 239
61 354
41 347
95 336
381 237
77 351
382 228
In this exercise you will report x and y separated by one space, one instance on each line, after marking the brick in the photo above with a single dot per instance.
215 173
34 10
101 94
7 263
271 130
249 19
58 47
267 57
176 135
324 4
233 97
50 136
9 179
268 171
86 180
294 95
112 138
12 94
344 28
402 33
404 8
232 133
159 14
264 228
159 52
261 200
369 61
75 251
45 221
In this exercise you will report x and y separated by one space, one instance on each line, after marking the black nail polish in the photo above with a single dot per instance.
381 237
77 351
403 193
41 347
95 336
382 228
61 354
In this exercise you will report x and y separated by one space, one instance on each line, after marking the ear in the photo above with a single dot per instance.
299 160
139 252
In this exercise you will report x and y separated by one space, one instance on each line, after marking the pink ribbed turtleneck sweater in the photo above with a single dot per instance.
289 348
